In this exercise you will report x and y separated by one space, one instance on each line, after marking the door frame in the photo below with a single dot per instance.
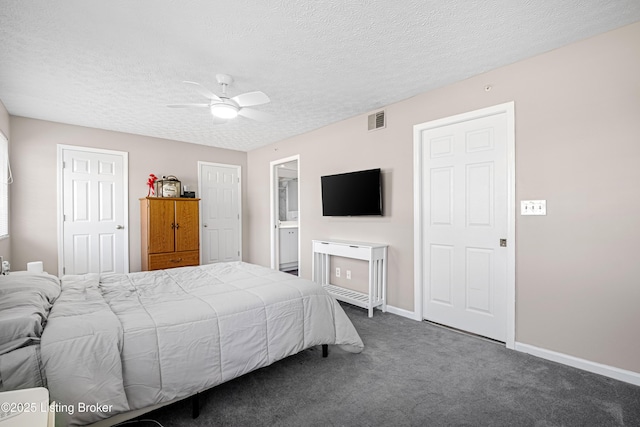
60 198
418 168
273 195
238 168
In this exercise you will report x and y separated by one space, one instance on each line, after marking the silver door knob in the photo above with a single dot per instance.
119 227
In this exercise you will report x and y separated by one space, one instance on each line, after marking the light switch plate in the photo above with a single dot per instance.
533 207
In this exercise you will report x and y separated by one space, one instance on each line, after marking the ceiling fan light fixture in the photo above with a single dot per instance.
223 108
224 111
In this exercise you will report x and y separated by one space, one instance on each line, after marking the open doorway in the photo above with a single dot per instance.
285 215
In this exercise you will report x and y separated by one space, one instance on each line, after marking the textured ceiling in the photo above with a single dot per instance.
117 64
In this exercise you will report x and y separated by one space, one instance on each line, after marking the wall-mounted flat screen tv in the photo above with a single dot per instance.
352 193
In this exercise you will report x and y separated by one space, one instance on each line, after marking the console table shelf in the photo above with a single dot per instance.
375 254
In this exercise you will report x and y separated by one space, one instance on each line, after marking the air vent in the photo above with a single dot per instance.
376 120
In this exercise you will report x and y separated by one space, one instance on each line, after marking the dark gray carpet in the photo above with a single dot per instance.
413 374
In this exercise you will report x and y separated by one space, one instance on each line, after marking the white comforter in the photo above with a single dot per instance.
125 342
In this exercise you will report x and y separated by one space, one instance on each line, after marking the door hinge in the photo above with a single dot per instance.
64 270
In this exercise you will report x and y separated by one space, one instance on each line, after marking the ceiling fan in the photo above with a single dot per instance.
223 107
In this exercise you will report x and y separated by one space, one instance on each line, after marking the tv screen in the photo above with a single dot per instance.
352 194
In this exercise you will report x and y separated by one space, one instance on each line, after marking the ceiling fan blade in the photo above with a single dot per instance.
203 90
255 114
251 98
186 105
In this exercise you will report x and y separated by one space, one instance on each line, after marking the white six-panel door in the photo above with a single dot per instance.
220 212
93 211
464 225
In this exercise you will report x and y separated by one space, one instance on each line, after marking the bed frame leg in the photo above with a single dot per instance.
195 405
325 350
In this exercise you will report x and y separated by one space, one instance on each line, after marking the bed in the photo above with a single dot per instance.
122 344
25 302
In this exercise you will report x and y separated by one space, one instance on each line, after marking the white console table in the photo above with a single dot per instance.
374 253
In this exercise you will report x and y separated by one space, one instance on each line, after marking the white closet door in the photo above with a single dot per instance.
220 210
94 199
465 217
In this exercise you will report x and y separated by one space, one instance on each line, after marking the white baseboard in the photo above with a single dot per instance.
402 312
586 365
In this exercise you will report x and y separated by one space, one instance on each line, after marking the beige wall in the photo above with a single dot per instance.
343 147
577 129
5 244
33 196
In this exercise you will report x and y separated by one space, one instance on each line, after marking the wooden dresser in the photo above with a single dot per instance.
170 234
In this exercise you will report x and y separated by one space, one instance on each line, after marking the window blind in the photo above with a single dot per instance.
5 180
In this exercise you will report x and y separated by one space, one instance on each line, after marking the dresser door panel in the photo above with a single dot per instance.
187 233
161 226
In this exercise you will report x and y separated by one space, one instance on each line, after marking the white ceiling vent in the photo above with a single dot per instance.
377 121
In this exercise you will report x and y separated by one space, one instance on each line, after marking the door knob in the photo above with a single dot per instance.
205 226
119 227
